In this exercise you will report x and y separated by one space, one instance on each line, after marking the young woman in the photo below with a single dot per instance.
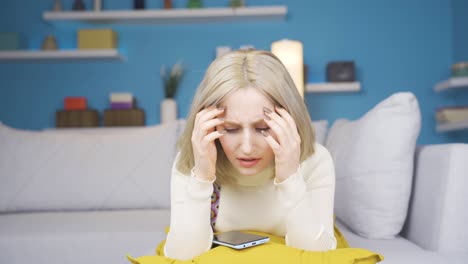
248 161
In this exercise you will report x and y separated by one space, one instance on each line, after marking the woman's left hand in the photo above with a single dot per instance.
284 141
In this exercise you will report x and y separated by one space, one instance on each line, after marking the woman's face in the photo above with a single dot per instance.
243 143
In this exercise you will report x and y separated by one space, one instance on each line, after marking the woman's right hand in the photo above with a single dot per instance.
203 137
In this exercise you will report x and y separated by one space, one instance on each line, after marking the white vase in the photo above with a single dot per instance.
168 110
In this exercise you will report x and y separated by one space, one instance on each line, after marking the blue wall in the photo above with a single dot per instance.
459 53
397 45
460 32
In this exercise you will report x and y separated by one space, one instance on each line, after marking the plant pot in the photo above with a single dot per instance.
168 110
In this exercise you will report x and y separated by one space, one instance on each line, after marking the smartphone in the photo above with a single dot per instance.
239 240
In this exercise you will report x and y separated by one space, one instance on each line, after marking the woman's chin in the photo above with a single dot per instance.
248 171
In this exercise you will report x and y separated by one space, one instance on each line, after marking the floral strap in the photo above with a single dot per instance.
214 204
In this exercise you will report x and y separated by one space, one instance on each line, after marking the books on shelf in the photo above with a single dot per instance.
452 114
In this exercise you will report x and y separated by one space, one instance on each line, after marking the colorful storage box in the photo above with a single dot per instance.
77 118
9 41
75 103
124 117
97 39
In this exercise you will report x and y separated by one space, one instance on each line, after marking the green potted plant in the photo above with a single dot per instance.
171 81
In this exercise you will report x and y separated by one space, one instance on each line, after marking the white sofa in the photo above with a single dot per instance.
95 195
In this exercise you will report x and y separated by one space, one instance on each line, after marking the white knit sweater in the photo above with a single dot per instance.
300 208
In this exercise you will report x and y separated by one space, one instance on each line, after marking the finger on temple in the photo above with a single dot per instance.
271 141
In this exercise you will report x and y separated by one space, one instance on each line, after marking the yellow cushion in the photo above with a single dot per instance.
274 251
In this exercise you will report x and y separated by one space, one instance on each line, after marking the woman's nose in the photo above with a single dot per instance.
247 142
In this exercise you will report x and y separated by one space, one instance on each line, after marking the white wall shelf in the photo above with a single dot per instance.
333 87
112 54
171 16
452 83
452 126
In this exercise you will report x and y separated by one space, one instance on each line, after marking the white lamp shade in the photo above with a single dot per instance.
290 52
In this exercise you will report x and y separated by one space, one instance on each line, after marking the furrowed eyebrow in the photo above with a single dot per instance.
257 122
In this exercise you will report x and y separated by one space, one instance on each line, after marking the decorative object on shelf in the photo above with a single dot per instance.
290 52
57 6
452 114
49 43
78 5
167 4
122 101
123 111
452 118
97 5
138 4
460 69
221 50
195 4
76 118
236 3
171 82
76 113
168 110
9 41
340 71
97 39
75 103
124 117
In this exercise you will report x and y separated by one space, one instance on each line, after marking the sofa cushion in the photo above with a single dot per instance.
80 171
80 237
321 129
439 199
374 166
395 251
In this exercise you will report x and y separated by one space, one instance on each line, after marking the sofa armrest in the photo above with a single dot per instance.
437 214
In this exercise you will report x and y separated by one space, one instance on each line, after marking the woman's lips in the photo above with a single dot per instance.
248 162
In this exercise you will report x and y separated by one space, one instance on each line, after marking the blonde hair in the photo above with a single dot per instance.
256 69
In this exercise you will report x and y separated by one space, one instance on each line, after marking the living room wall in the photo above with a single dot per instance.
460 21
459 53
397 45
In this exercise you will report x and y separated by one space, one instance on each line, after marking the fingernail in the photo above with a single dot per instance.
264 133
222 131
267 110
267 117
221 108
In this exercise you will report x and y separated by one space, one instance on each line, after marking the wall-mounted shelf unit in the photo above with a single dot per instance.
333 87
61 55
452 126
452 83
172 15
